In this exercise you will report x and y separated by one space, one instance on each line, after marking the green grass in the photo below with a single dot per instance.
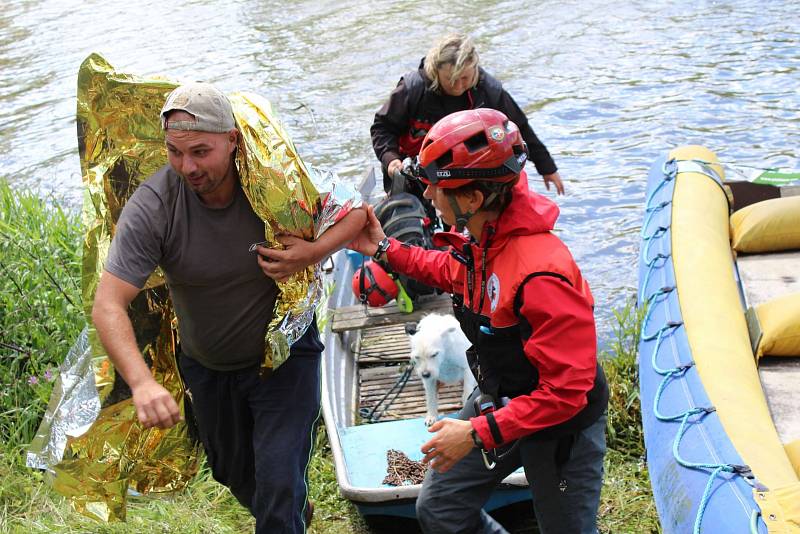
28 505
40 313
40 318
626 503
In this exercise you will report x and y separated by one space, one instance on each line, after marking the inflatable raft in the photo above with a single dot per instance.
720 403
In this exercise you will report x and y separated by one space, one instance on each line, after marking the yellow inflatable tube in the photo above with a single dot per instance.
715 323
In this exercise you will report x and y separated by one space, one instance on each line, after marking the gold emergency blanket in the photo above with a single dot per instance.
108 454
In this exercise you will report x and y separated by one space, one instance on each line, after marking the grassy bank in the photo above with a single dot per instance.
626 503
40 317
40 313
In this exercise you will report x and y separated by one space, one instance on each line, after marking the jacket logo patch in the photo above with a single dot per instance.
493 290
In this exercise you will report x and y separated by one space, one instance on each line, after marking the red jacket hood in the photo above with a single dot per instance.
528 213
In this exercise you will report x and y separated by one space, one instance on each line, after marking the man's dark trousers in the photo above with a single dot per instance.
258 434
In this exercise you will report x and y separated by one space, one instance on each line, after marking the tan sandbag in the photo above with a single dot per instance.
767 226
779 320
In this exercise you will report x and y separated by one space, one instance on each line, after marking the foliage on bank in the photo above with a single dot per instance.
40 313
40 318
626 503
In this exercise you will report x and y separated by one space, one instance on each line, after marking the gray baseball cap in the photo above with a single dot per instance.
210 108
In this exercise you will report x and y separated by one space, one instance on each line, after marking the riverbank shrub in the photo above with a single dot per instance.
40 306
626 503
624 430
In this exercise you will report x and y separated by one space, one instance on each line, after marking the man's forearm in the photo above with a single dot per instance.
116 333
154 405
110 317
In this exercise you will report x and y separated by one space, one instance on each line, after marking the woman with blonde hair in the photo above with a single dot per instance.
449 79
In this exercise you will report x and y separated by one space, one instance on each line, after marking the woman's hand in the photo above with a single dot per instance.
555 179
394 167
453 441
366 242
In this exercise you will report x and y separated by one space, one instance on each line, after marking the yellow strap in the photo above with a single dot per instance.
404 302
780 509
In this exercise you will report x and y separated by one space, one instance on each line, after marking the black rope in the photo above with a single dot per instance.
377 355
370 416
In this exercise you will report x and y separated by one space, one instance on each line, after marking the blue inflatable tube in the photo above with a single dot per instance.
699 480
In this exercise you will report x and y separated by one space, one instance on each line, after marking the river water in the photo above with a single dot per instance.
608 86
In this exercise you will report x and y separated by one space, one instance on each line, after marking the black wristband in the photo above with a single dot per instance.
476 439
493 428
383 246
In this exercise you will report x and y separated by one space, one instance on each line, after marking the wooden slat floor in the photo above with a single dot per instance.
383 356
358 316
386 344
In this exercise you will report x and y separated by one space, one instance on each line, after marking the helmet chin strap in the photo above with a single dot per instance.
463 217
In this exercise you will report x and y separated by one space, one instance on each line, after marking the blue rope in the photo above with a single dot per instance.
676 444
652 266
669 375
754 521
706 496
649 302
660 232
650 337
650 211
653 363
661 387
670 170
660 331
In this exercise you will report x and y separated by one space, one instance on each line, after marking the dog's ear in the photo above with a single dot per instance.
411 328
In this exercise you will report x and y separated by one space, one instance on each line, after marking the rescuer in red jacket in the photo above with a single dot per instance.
523 303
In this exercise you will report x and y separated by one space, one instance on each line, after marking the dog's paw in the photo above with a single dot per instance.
430 419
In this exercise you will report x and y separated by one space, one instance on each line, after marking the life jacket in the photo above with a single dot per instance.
411 141
489 315
425 108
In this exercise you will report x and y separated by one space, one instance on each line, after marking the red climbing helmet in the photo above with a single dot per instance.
373 285
476 144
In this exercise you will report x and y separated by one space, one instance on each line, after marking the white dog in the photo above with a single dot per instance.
438 352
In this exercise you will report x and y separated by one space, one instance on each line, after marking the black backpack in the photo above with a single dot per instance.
403 217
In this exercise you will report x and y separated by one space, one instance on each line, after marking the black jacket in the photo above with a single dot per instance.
413 108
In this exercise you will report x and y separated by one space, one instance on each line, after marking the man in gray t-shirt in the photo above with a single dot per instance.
193 220
223 306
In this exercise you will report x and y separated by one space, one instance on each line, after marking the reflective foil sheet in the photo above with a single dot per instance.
74 406
90 438
291 198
